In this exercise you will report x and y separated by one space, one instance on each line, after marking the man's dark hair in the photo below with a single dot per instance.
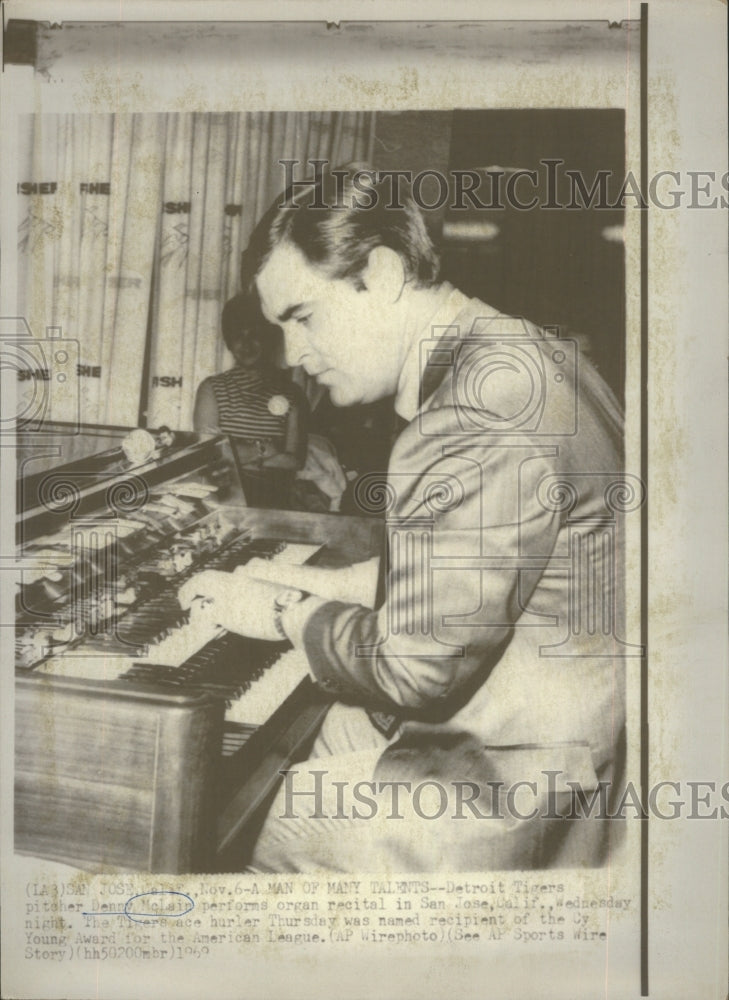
337 222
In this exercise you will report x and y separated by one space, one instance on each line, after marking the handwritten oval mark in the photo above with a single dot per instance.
139 916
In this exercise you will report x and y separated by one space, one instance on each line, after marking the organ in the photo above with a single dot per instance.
146 739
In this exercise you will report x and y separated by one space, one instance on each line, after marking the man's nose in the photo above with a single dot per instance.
296 346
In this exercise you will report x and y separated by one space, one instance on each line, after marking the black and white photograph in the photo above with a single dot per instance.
349 433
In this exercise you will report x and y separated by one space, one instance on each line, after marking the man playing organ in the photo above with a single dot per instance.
494 655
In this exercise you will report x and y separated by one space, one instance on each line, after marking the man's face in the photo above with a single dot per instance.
351 341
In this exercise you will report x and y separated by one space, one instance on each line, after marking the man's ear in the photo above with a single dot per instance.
385 273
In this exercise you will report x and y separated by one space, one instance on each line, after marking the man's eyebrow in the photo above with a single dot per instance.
288 313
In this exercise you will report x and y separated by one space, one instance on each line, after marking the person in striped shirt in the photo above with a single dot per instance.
257 405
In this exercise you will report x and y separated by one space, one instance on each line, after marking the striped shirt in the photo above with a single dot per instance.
243 398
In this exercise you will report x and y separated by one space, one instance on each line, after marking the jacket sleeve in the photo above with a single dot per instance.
468 541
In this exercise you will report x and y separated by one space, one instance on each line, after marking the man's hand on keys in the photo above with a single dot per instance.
237 601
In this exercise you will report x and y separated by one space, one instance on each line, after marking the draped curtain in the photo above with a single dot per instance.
131 230
88 227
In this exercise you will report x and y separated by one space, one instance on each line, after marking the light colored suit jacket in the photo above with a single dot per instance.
502 626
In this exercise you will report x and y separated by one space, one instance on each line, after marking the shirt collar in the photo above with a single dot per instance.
447 302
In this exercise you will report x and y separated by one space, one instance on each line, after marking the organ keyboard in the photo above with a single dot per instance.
147 738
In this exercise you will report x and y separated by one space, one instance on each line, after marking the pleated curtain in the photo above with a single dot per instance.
130 234
87 244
